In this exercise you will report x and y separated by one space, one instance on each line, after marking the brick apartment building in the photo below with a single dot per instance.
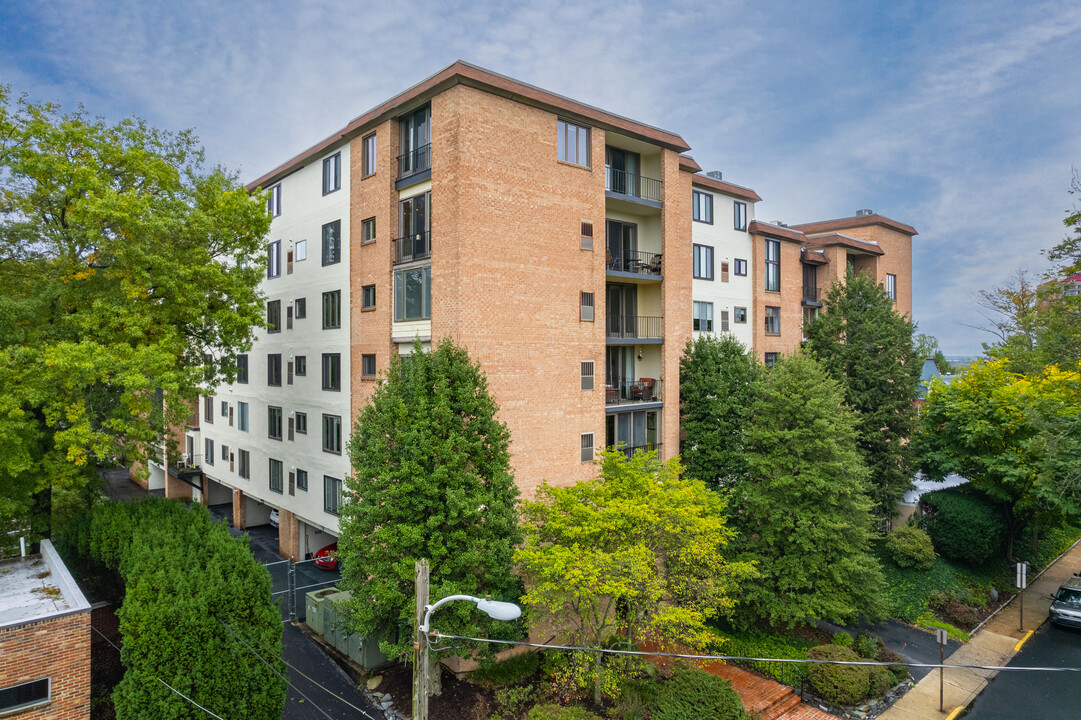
44 640
573 252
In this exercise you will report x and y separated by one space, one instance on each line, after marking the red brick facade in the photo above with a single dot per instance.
56 648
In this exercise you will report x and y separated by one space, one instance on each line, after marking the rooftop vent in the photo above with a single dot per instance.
778 223
864 212
715 174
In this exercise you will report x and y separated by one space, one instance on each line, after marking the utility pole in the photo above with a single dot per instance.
942 639
1022 583
420 645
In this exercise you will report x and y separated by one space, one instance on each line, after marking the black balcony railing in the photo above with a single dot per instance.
630 450
414 161
417 246
811 294
629 392
640 327
187 462
642 263
633 184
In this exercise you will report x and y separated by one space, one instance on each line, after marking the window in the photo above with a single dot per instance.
274 201
586 313
302 423
208 409
367 297
702 207
739 267
332 494
332 434
773 320
771 359
367 231
274 370
739 219
414 229
587 447
773 265
301 250
740 314
332 173
891 286
242 416
332 309
301 307
702 316
224 408
274 422
724 321
587 235
332 371
703 262
302 480
274 259
245 464
275 475
412 294
242 368
587 374
724 272
367 164
274 316
572 143
224 453
367 365
289 373
415 142
302 364
208 451
332 243
26 695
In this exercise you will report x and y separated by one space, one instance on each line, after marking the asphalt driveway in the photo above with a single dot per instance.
911 643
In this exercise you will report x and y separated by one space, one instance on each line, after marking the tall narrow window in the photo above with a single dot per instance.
302 365
773 265
724 321
891 286
414 225
367 231
242 416
412 294
275 475
367 164
701 207
739 219
208 409
416 138
274 370
587 447
274 259
703 262
274 423
274 316
367 297
587 235
332 309
302 479
332 242
208 451
242 368
302 423
245 464
301 305
587 313
587 374
274 201
724 272
332 173
332 494
332 434
301 250
572 143
702 316
367 365
773 320
332 371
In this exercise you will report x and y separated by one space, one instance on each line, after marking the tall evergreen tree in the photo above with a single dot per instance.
715 378
431 479
803 515
866 346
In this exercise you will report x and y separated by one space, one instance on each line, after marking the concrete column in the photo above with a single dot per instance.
240 511
287 534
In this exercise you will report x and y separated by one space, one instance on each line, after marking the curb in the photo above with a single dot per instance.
1022 641
955 713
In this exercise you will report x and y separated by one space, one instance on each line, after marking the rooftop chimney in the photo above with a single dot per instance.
864 212
715 174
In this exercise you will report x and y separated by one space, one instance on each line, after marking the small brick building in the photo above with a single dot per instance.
44 640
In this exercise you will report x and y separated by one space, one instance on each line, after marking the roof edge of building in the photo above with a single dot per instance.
827 226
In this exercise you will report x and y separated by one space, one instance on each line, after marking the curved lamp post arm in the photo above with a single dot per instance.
493 608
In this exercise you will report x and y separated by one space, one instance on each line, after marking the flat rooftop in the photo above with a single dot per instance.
37 587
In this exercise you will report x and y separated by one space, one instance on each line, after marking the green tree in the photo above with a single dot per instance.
1013 316
715 379
128 272
866 346
639 549
804 516
432 479
1014 438
926 346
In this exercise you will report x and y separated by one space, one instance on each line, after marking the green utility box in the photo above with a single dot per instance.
313 608
362 650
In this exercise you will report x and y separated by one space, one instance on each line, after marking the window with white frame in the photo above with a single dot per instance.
702 316
891 286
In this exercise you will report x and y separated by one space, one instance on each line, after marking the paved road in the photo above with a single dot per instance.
301 651
1036 695
913 644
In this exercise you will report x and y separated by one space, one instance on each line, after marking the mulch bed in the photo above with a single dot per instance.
459 700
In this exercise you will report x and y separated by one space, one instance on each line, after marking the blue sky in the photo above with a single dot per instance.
961 118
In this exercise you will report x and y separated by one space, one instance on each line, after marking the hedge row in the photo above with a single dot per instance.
964 525
184 576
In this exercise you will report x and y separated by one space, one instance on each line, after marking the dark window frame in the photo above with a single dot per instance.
367 297
739 315
426 294
300 308
368 165
242 368
243 419
274 421
702 207
273 316
274 370
701 324
301 422
335 184
366 360
332 434
274 200
244 464
302 480
279 486
301 363
274 259
739 216
772 264
332 243
332 367
335 484
699 253
563 135
775 315
332 310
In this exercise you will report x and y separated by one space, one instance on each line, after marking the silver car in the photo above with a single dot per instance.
1066 610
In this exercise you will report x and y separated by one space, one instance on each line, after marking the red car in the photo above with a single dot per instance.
327 558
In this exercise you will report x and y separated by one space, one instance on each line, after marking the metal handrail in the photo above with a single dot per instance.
642 327
639 262
791 674
629 450
415 161
629 392
811 293
633 184
416 246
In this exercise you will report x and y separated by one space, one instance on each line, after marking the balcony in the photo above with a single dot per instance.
633 392
629 450
633 185
415 162
637 263
186 465
635 327
812 296
417 246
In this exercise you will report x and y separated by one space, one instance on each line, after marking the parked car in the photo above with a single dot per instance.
327 558
1066 610
274 518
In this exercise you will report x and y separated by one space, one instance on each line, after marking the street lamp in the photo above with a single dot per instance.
495 609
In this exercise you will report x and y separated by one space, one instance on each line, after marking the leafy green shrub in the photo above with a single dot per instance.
879 680
497 673
961 615
843 639
964 526
868 646
899 672
838 684
908 546
558 712
512 699
694 694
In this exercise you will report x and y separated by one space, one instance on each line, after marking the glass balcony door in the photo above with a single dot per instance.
619 366
633 430
622 168
414 224
622 244
622 309
415 140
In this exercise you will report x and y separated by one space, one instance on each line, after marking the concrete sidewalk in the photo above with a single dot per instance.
993 644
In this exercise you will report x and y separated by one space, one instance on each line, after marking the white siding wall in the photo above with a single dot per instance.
728 245
304 211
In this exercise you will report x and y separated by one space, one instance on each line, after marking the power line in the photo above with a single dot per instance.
687 656
219 717
103 637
